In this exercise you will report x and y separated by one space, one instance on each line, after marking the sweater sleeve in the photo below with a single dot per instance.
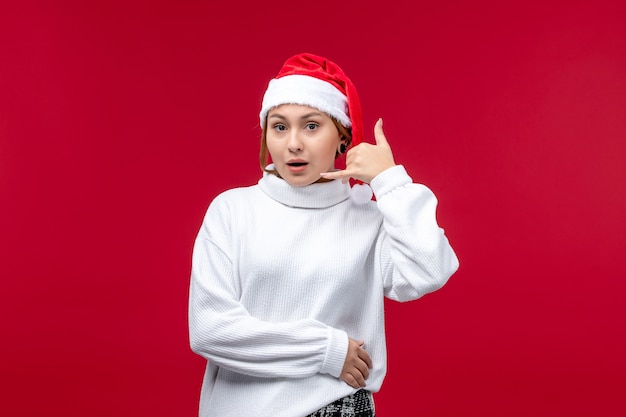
416 257
222 331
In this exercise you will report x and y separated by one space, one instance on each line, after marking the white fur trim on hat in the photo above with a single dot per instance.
307 91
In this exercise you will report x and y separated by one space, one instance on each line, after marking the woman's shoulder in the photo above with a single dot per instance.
236 195
229 204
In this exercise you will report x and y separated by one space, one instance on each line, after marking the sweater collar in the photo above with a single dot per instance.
316 195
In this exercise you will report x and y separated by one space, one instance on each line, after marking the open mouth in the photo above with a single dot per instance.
296 164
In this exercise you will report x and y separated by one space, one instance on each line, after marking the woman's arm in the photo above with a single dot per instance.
415 255
222 331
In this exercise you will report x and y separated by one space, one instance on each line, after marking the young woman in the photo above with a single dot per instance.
289 275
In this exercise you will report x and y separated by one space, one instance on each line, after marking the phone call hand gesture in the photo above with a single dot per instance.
365 161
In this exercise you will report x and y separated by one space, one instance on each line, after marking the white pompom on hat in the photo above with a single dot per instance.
317 82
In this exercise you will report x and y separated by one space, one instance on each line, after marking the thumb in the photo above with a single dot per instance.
379 135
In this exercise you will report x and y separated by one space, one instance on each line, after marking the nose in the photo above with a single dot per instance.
294 143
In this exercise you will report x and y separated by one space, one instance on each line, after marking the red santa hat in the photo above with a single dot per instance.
317 82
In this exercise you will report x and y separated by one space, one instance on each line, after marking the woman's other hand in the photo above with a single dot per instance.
356 368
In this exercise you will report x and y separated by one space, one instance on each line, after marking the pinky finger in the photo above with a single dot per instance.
344 176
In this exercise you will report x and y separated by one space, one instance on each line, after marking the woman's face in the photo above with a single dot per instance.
302 142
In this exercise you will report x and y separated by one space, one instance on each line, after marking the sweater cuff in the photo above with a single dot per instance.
335 353
389 179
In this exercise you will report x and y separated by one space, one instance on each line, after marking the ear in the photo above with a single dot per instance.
343 147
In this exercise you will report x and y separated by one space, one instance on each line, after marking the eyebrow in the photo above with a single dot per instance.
304 116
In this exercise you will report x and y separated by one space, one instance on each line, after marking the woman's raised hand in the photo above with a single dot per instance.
365 161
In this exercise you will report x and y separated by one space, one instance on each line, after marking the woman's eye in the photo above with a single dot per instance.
311 126
280 128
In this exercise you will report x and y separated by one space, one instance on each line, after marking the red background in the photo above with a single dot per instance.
120 121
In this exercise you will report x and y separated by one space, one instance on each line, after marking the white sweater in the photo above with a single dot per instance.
282 276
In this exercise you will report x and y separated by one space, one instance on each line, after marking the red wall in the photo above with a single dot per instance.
120 121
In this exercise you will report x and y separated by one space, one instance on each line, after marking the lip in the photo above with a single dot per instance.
301 165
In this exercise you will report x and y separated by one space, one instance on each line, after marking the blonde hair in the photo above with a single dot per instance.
264 153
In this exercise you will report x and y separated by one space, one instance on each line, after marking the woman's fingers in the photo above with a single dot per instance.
365 161
357 365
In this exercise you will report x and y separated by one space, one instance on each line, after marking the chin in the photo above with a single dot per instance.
297 180
300 182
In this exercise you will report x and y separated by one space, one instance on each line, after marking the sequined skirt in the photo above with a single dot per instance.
359 404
